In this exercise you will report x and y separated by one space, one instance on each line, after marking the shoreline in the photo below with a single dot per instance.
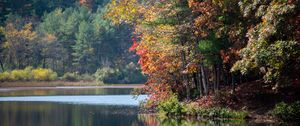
60 85
4 89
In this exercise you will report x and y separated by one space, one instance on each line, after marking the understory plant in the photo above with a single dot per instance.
286 111
173 107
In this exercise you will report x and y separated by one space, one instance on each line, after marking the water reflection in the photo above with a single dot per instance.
82 99
67 91
154 120
70 107
56 114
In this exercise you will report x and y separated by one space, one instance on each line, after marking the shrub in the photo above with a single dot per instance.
29 73
4 76
128 74
21 75
41 74
194 109
87 77
103 74
171 107
286 111
71 77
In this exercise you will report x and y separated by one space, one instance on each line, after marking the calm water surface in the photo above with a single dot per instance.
83 107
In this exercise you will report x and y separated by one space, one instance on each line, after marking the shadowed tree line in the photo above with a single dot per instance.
65 36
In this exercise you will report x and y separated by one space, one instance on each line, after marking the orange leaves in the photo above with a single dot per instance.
153 41
229 55
202 7
207 19
190 68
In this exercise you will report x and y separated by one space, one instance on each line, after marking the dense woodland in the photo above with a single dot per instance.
190 49
68 37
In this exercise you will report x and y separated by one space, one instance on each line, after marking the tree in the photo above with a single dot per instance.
271 47
83 49
211 41
19 44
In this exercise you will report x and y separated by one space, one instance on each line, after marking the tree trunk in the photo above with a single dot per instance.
44 62
200 82
215 77
233 83
195 80
218 76
185 78
204 82
2 66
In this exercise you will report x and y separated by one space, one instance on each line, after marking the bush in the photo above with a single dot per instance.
193 109
104 74
4 76
87 77
171 107
41 74
129 74
71 77
286 111
28 74
21 75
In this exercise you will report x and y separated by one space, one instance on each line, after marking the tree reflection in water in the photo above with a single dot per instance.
156 120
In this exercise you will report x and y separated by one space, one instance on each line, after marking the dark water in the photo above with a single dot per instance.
84 107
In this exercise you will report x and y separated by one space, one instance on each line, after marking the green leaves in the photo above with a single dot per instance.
287 112
275 57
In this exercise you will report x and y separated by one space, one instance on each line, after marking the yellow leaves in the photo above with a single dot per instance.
123 10
165 28
43 74
26 32
150 13
1 30
6 44
29 73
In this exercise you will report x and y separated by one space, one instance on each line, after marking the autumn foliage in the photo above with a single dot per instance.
192 48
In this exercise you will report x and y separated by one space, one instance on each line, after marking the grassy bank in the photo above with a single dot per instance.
58 83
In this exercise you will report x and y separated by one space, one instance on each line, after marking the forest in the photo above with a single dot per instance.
69 37
209 58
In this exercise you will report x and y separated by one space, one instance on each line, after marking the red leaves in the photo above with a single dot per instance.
224 56
134 46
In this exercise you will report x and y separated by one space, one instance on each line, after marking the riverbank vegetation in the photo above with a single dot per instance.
173 107
286 111
29 74
210 58
215 53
